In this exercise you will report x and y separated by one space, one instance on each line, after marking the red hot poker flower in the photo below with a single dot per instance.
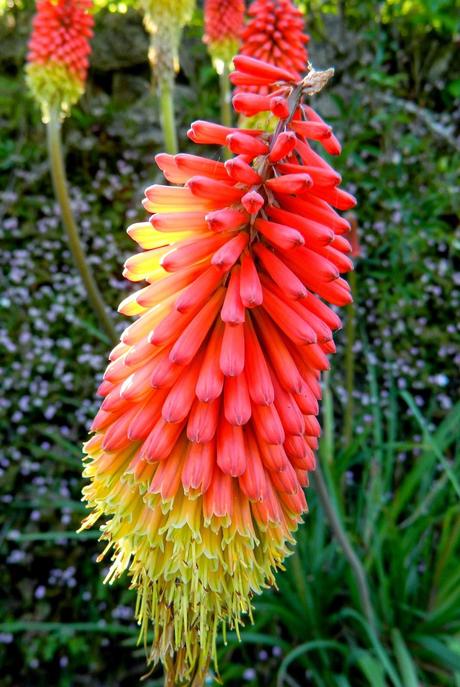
58 52
223 25
208 427
275 34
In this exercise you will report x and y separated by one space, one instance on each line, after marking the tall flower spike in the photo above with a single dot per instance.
208 427
275 33
58 53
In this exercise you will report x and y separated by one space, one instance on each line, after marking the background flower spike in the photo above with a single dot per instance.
275 37
57 60
275 34
223 26
165 20
56 71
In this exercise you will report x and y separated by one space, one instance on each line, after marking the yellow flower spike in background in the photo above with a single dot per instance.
165 20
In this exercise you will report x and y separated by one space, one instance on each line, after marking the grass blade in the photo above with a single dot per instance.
53 536
405 662
430 441
304 649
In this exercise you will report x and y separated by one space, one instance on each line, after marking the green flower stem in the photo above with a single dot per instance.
62 195
225 97
168 122
342 537
327 443
350 335
226 111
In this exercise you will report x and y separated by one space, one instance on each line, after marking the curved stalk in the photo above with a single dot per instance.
168 121
347 548
350 333
62 195
226 111
327 443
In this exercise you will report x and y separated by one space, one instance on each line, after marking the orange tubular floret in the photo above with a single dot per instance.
226 219
232 350
203 421
254 67
237 403
233 310
251 103
199 467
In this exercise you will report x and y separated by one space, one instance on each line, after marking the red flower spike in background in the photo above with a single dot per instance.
208 428
58 53
223 26
274 34
56 71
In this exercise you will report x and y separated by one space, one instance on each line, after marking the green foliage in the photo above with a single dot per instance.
394 487
410 553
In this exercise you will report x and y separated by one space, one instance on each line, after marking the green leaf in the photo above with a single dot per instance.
440 652
53 536
256 638
431 441
302 650
377 645
61 441
371 668
90 328
454 88
447 432
68 628
405 662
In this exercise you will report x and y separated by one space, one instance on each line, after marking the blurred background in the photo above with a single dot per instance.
392 467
